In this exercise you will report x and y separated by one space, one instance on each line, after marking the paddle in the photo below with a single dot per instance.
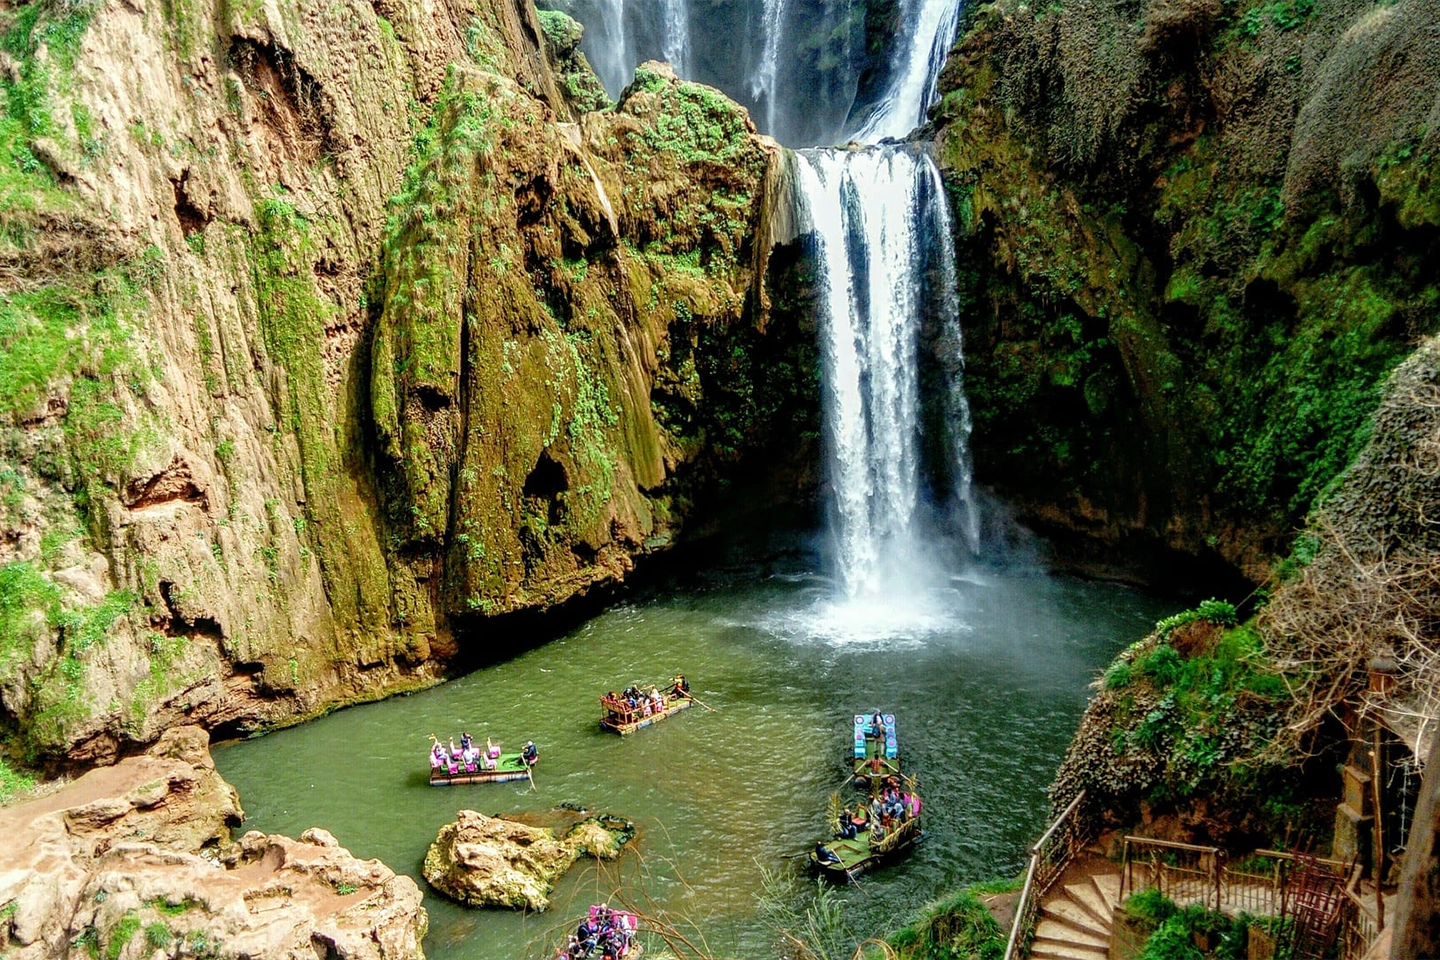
689 696
530 772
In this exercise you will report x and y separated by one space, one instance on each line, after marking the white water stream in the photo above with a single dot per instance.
930 30
676 45
880 224
885 258
767 72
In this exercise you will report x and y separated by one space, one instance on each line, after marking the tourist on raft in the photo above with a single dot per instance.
604 932
847 830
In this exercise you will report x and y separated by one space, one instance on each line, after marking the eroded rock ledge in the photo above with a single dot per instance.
135 860
494 862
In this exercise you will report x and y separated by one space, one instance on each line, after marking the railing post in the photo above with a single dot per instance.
1125 869
1215 869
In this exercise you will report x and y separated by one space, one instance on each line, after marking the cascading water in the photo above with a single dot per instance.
885 261
881 237
767 72
911 87
676 45
612 65
881 242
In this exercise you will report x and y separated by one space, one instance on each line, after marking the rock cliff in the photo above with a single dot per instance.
329 331
495 862
1194 238
135 861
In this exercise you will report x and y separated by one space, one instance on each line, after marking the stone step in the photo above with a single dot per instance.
1108 884
1089 898
1043 948
1066 911
1064 933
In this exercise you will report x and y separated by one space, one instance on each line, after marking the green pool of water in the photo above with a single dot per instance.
986 674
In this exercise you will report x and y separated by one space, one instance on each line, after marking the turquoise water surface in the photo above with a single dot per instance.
987 675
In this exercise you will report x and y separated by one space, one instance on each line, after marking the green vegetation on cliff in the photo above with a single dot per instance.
534 378
956 927
34 107
1192 713
1201 228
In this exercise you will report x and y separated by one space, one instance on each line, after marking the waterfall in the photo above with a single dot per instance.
950 353
676 45
911 86
762 84
607 43
878 223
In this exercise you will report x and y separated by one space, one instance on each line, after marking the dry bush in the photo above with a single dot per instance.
1373 588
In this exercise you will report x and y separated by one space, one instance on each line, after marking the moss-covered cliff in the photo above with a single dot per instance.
327 327
1195 237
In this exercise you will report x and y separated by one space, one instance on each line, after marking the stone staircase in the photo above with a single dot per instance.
1076 918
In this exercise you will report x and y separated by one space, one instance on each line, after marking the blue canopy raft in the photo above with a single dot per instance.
876 750
887 825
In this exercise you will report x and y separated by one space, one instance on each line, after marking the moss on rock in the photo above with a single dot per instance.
1174 227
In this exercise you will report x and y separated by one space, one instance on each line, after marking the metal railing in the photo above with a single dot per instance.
1184 872
1048 859
1360 926
1260 885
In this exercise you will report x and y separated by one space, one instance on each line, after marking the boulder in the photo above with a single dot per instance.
494 862
136 859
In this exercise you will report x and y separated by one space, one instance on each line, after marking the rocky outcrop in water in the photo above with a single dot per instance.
135 861
1194 236
334 331
494 862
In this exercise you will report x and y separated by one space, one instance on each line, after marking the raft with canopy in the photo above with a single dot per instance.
875 750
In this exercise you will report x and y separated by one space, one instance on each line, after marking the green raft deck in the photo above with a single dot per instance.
864 852
508 766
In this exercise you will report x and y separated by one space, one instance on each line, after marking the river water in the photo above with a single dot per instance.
987 682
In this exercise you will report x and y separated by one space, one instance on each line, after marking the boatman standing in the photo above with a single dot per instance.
681 688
